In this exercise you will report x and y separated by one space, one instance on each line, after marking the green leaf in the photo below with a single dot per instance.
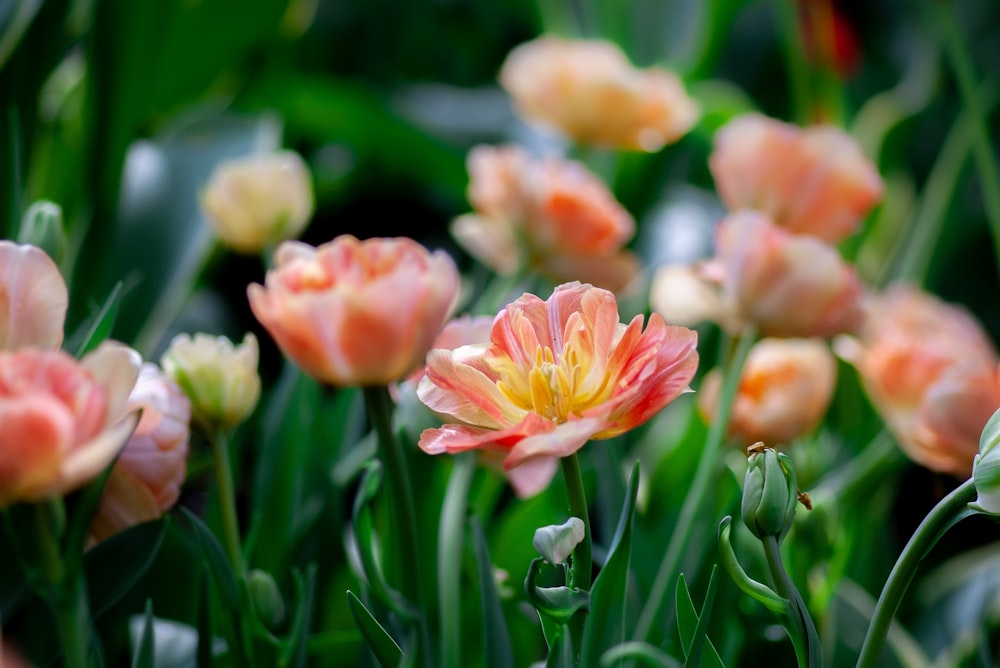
692 627
113 566
497 650
605 625
642 652
222 572
143 657
557 603
298 639
381 643
100 325
206 625
561 650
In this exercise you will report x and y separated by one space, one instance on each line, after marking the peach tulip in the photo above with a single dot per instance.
783 392
554 375
356 312
146 480
813 181
33 298
931 371
589 91
62 421
546 214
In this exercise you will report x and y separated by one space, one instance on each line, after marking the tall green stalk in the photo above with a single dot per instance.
583 563
451 536
227 501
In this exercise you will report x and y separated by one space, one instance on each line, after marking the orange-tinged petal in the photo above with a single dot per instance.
33 298
561 441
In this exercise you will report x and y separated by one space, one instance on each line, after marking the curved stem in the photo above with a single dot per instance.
803 631
582 565
937 522
699 489
451 535
227 501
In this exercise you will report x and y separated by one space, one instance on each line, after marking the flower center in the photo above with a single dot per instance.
555 387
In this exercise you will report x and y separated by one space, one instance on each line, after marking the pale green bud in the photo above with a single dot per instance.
770 492
42 226
986 467
266 598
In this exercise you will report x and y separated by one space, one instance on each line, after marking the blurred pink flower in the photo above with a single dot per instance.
783 392
33 298
547 214
554 375
356 312
11 658
785 285
932 373
589 91
146 480
813 181
61 421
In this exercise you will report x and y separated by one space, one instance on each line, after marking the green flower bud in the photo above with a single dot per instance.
42 226
266 598
986 467
770 492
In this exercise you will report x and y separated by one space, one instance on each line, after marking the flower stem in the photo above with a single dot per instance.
227 501
699 488
941 517
803 632
795 58
450 540
582 564
70 613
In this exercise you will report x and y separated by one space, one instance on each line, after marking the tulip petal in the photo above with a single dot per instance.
33 298
562 441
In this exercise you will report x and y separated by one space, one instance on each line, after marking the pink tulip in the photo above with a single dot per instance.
146 480
33 298
589 91
783 392
813 181
554 375
356 312
61 421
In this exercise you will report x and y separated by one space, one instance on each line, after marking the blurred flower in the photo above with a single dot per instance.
11 658
548 214
62 421
218 377
784 391
33 298
770 493
813 181
146 480
785 285
931 371
589 91
554 375
259 200
42 226
356 312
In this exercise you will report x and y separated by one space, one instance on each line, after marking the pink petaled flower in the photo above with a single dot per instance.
813 181
783 392
554 375
61 421
547 214
33 298
931 371
356 312
589 91
146 480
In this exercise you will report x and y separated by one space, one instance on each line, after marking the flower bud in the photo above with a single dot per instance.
266 598
42 226
770 492
219 378
986 467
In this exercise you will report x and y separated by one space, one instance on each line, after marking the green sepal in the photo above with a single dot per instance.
556 603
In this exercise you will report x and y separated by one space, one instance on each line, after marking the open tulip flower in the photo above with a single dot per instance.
555 374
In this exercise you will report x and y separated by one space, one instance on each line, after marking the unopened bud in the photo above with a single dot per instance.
266 598
986 467
770 492
42 226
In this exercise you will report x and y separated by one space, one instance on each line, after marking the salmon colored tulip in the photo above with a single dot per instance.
589 91
146 480
783 392
554 375
62 421
33 298
356 312
813 181
547 214
932 373
259 200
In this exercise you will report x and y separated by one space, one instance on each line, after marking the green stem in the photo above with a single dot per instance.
695 497
451 537
923 539
803 632
227 501
982 145
795 57
582 564
70 613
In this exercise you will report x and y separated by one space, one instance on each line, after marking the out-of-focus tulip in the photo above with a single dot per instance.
11 658
259 200
548 214
785 285
554 375
589 91
33 298
356 312
146 480
931 371
783 392
219 378
813 181
62 421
